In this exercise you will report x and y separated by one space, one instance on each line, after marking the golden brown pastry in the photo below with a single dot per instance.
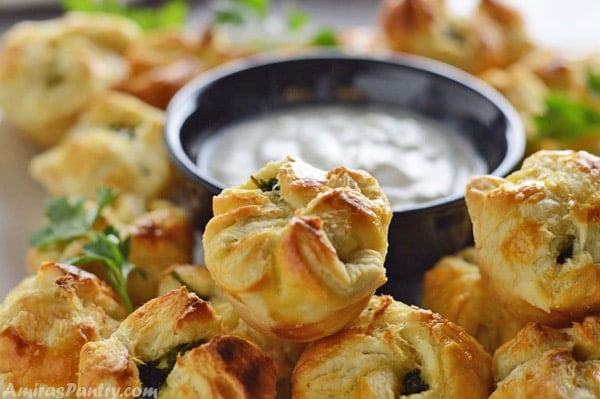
454 289
394 350
117 143
51 70
161 234
536 230
493 36
297 250
197 279
173 344
163 61
45 321
543 362
225 367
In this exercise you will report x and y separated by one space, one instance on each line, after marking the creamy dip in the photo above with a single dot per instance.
414 158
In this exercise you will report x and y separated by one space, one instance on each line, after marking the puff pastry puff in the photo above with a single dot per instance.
117 142
537 235
172 344
50 70
545 362
297 250
391 351
494 36
161 234
46 319
198 280
454 288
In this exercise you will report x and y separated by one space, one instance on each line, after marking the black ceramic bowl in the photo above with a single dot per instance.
419 235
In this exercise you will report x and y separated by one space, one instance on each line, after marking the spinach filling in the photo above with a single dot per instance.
153 374
413 383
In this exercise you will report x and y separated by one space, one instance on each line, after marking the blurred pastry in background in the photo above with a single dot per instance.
493 36
117 142
51 70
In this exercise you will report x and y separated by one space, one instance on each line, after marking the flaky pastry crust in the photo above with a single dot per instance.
494 36
198 280
45 321
173 344
51 70
536 232
299 258
117 142
161 234
394 350
544 362
453 287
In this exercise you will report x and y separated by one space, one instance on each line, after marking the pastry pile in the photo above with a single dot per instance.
529 291
285 307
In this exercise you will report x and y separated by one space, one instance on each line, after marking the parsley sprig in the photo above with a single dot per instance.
566 118
110 249
70 219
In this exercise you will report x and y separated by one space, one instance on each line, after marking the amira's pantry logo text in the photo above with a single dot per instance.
72 390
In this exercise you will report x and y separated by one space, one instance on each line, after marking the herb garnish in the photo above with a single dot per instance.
567 119
70 220
173 13
112 251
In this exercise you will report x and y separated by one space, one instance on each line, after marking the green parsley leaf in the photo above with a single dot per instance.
325 37
68 219
593 81
173 13
297 19
112 251
567 119
259 7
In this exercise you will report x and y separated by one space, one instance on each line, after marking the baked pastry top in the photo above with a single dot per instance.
50 70
117 142
299 251
537 235
172 344
546 362
160 234
493 36
392 350
454 288
45 321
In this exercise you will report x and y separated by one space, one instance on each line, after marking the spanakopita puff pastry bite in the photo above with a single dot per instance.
161 234
117 142
46 319
51 70
544 362
537 235
454 288
299 251
197 279
494 36
393 350
173 344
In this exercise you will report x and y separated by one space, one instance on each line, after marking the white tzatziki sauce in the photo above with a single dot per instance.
414 158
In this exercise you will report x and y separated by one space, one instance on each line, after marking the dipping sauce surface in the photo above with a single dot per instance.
414 158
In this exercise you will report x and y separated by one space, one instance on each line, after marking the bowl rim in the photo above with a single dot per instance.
181 106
